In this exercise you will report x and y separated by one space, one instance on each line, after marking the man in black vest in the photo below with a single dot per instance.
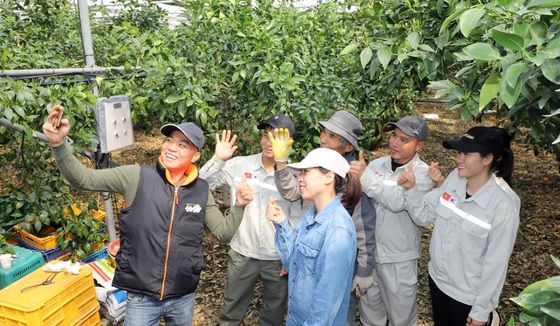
162 224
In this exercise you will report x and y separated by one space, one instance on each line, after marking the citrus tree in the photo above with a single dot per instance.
505 58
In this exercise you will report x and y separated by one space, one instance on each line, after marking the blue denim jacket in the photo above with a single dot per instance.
320 256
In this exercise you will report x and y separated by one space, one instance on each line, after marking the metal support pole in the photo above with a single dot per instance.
61 71
90 62
86 33
6 123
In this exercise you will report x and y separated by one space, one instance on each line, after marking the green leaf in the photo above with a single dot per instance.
509 95
173 99
508 40
552 50
552 312
551 70
384 55
543 4
350 48
9 114
482 51
542 298
469 20
513 72
449 19
537 60
426 48
37 225
365 56
488 91
556 141
554 259
537 32
20 111
511 321
413 39
99 79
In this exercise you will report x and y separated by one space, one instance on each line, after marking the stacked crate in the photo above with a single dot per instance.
69 300
24 262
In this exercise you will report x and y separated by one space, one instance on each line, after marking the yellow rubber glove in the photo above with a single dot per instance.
281 144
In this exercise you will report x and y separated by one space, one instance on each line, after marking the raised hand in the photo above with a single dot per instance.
358 167
281 144
225 145
55 128
407 179
435 174
243 193
274 212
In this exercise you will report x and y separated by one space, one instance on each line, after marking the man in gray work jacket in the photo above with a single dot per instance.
393 295
340 133
162 226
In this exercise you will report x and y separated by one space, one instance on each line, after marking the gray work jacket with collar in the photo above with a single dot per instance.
472 239
397 236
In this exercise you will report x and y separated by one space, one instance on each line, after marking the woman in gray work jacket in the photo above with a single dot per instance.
476 216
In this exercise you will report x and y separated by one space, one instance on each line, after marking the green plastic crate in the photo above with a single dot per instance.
25 262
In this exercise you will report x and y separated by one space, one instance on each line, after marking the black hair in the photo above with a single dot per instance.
350 188
502 163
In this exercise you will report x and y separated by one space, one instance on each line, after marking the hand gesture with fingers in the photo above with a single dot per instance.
407 179
357 167
281 144
243 193
274 212
55 128
225 145
474 322
435 174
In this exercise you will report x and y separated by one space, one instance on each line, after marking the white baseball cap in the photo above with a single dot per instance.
325 158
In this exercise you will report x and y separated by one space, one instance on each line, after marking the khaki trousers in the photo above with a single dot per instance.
242 275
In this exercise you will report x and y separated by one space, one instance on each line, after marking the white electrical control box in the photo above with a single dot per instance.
114 125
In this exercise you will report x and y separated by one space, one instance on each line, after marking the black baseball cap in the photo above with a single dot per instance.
189 129
279 121
478 139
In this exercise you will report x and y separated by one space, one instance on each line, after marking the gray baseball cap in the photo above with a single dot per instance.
279 121
346 125
412 125
189 129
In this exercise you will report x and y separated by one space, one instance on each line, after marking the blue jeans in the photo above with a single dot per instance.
144 310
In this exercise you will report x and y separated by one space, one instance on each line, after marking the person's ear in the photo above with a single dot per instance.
348 148
329 177
420 146
487 160
195 157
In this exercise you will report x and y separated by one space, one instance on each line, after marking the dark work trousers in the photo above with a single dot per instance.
447 311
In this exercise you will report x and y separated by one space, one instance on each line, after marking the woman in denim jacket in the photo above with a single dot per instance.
320 254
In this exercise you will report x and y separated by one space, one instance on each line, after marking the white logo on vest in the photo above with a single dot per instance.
191 208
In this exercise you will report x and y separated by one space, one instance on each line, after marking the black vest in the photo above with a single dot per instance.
156 246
